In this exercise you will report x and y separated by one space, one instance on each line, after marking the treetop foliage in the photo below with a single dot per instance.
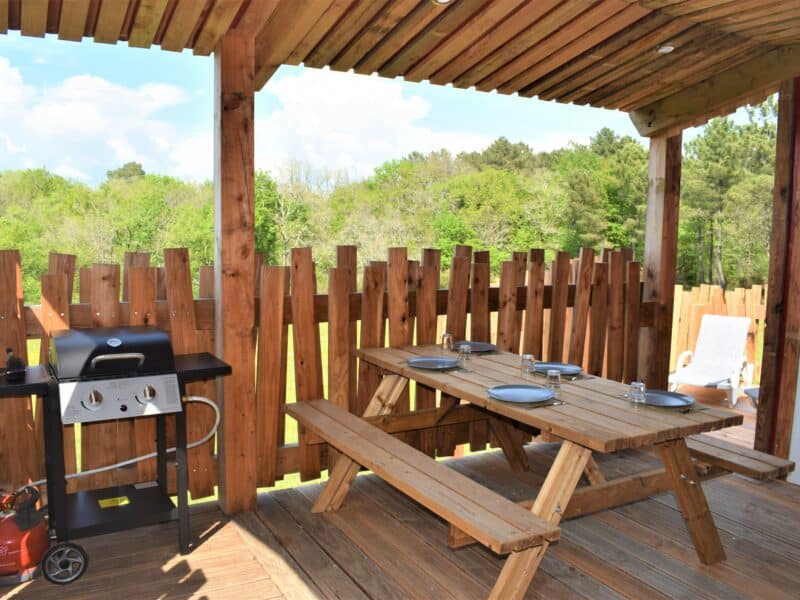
507 197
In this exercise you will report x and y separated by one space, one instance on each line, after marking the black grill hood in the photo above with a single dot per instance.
104 352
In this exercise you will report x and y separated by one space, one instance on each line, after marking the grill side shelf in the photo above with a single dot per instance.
37 382
199 367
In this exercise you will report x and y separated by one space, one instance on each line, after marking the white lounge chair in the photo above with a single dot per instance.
718 358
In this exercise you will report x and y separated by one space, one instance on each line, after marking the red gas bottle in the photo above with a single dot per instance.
24 536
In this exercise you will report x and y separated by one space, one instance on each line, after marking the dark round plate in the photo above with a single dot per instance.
565 368
476 347
667 399
433 363
521 394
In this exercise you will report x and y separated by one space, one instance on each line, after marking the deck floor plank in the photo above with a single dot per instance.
381 545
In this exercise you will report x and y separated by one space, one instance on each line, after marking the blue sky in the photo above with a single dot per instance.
82 108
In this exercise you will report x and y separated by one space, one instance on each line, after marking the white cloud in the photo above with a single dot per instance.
345 122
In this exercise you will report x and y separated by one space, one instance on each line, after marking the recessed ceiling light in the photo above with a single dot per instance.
665 49
440 2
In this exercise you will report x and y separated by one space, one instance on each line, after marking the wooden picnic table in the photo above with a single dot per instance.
594 417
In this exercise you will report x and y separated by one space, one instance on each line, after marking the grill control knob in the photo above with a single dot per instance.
149 393
95 400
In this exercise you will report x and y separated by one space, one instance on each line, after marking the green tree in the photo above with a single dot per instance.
130 170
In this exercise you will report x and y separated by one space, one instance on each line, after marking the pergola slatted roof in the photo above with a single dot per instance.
601 53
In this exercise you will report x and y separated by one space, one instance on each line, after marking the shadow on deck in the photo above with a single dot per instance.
381 545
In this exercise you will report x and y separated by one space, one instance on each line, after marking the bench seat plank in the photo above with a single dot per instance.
493 520
738 459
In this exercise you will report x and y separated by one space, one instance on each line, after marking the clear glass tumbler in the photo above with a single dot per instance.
527 365
464 352
554 380
638 392
447 342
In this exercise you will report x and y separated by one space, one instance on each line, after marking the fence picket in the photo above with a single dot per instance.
558 306
599 320
633 297
615 337
534 305
580 309
426 334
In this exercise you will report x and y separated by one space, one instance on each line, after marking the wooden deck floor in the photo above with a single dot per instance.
381 545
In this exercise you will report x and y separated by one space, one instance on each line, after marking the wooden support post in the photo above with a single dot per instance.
782 319
660 252
234 275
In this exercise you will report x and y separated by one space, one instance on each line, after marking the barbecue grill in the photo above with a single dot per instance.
104 374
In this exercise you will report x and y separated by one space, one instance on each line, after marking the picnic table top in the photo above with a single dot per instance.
594 412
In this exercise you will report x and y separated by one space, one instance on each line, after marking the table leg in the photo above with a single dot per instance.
686 483
550 504
512 442
593 473
345 470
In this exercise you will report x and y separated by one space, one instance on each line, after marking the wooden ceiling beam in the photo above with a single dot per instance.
72 23
420 18
181 25
145 25
574 48
217 24
467 65
320 29
477 26
724 88
449 19
373 33
33 20
252 20
287 27
3 16
597 17
347 30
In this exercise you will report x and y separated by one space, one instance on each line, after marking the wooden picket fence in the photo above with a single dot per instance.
690 306
585 311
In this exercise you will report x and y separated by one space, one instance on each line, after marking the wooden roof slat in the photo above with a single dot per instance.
320 29
373 33
217 23
628 50
3 16
145 25
448 22
253 18
517 22
91 18
768 31
574 48
13 14
53 16
726 89
33 20
347 29
645 60
181 24
691 77
72 24
110 20
289 24
600 15
548 24
695 59
470 32
399 37
705 11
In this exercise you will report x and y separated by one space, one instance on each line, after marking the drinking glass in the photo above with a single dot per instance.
554 380
637 393
447 342
527 365
464 352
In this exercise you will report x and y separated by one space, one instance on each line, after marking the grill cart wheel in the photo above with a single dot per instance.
64 563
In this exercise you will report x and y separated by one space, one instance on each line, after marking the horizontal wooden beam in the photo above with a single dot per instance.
80 315
717 94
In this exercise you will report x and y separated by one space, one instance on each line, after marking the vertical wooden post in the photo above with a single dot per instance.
660 251
234 275
775 369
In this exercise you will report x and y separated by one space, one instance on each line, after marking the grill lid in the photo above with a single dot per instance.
104 352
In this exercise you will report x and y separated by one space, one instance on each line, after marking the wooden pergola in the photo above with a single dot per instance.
670 64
